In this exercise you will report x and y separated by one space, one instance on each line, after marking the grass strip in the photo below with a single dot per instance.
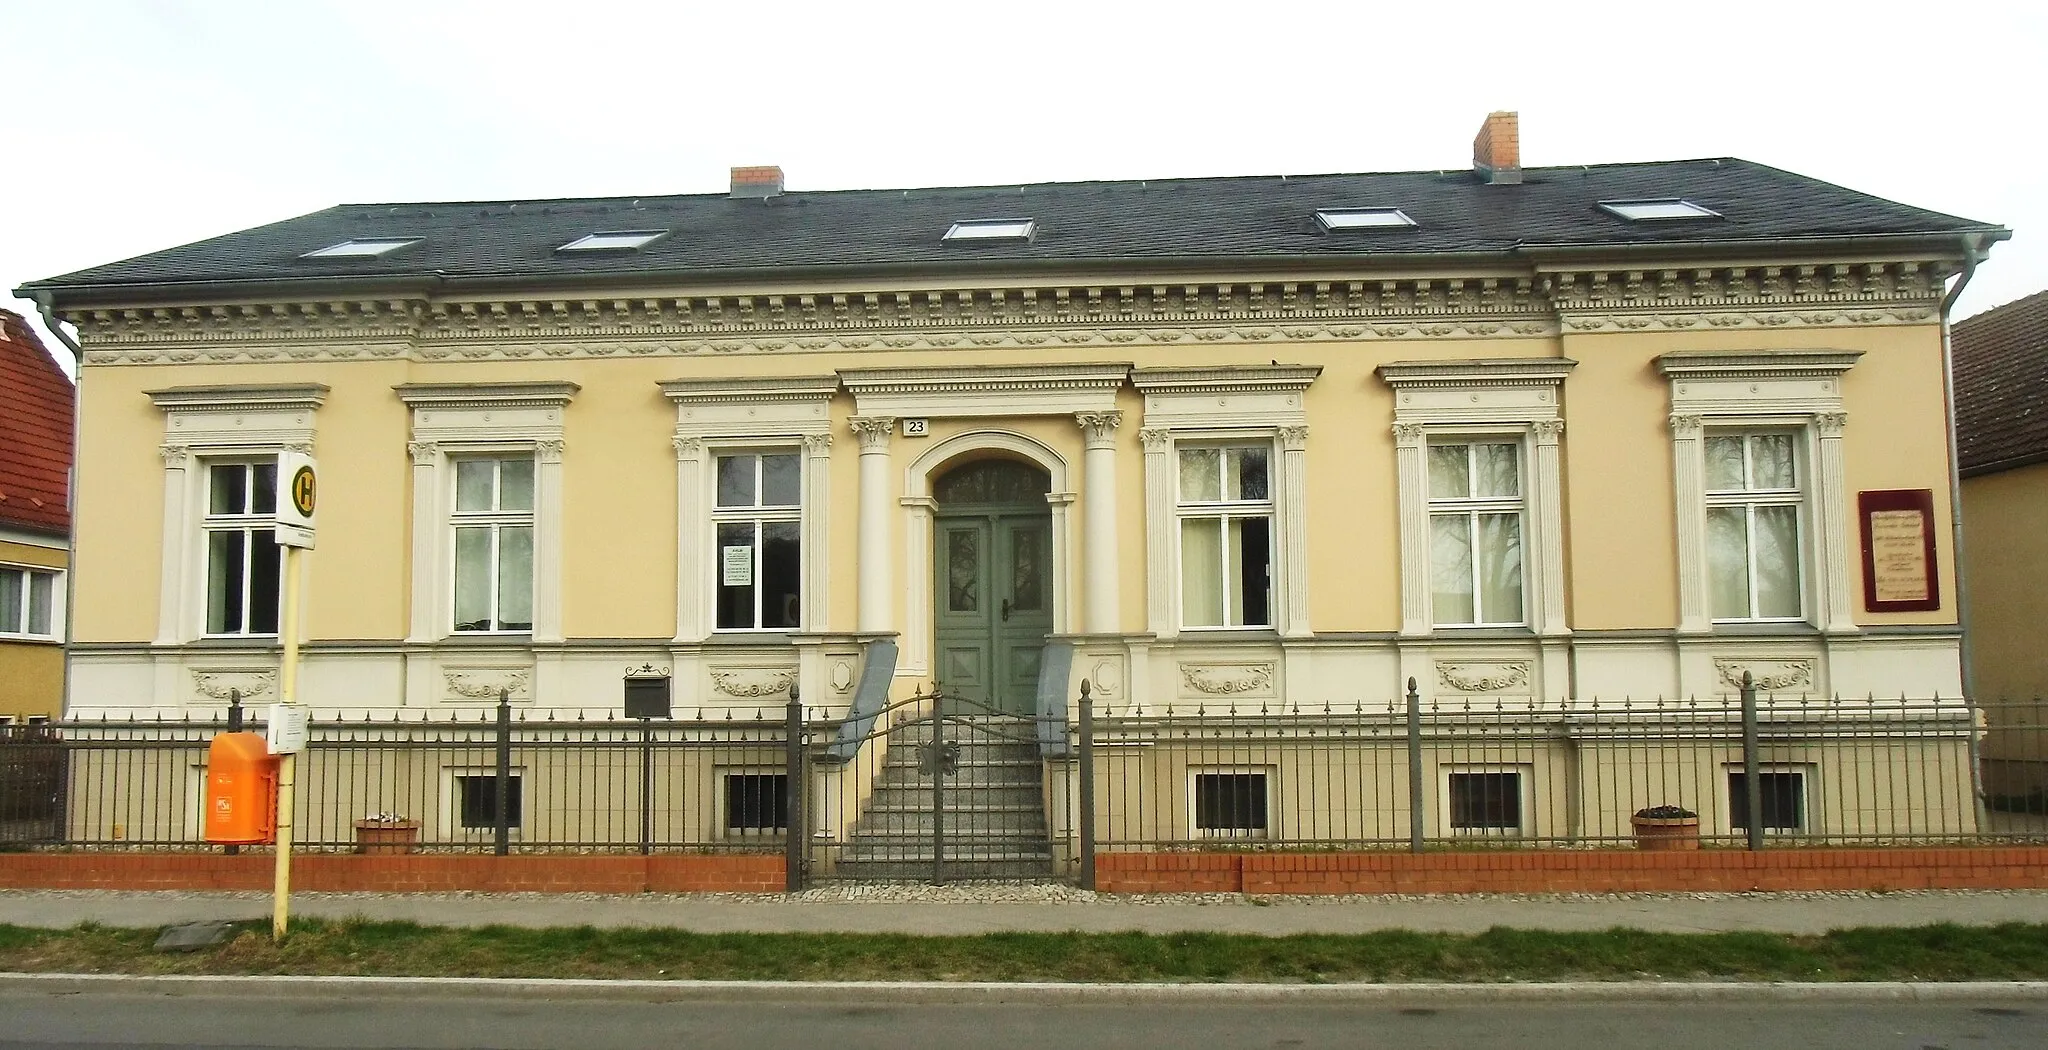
2013 951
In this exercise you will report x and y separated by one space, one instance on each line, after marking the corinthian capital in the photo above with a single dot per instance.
873 432
1098 429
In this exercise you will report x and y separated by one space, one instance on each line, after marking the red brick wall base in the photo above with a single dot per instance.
1574 871
413 873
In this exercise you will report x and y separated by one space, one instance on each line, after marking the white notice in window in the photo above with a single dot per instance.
738 565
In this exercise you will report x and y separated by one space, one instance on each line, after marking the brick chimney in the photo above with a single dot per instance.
1496 151
756 183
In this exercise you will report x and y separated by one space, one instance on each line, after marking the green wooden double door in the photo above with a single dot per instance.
992 574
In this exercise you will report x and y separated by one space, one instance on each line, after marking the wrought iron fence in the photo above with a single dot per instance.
936 787
1750 771
494 783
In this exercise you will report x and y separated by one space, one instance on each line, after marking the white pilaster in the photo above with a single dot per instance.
1832 514
1101 574
692 543
171 627
817 604
914 647
1689 477
875 572
1293 537
1545 519
1412 481
427 595
1162 583
547 541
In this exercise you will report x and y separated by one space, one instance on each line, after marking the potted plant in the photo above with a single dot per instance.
384 833
1666 828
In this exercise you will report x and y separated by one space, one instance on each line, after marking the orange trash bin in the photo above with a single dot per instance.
241 790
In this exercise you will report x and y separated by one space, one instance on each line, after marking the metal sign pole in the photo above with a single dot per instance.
288 692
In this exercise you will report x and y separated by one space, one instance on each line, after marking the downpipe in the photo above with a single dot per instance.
51 324
1974 252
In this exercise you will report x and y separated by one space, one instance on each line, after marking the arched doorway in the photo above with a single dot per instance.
992 581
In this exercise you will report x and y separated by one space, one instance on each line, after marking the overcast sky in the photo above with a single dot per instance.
142 125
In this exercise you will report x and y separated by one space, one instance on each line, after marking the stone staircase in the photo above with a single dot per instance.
993 803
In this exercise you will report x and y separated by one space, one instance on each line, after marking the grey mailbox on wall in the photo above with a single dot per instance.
647 694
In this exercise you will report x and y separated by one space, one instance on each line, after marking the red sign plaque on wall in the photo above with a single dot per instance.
1898 550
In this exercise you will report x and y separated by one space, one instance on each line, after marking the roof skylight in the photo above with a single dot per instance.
992 230
1362 218
622 241
365 248
1658 210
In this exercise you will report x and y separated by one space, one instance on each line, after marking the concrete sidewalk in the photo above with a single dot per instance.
990 909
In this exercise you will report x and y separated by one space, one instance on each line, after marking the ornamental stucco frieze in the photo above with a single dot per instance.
1874 293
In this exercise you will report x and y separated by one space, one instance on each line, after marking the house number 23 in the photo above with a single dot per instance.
916 428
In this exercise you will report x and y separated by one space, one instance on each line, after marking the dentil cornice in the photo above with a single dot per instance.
1105 315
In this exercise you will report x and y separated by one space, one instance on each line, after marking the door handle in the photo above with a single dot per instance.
1006 608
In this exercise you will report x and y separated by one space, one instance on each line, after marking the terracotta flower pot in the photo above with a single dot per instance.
1667 833
386 836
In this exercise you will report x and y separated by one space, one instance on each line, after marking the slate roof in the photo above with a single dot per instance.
1213 220
35 431
2001 362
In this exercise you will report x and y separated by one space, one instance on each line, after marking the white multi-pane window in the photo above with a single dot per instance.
1753 528
28 603
1475 533
1226 536
242 559
758 525
493 524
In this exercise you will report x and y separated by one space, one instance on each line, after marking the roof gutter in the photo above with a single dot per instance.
133 293
51 324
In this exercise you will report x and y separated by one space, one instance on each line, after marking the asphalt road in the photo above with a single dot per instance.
72 1020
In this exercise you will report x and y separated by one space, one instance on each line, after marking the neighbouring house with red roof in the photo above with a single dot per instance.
35 522
2001 363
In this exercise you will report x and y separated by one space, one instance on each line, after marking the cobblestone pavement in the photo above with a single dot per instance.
970 908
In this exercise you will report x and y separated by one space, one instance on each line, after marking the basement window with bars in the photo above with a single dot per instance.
756 803
1231 804
1782 794
476 801
1486 802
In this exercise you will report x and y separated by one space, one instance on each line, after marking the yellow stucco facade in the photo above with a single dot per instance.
1615 537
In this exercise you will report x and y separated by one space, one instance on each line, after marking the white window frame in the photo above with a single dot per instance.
249 524
1525 801
1195 830
1749 499
758 515
1223 511
454 421
496 520
203 425
741 416
57 583
1227 405
1797 390
451 801
1463 401
1471 508
1805 771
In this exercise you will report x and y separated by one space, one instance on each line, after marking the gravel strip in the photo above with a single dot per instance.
1026 893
